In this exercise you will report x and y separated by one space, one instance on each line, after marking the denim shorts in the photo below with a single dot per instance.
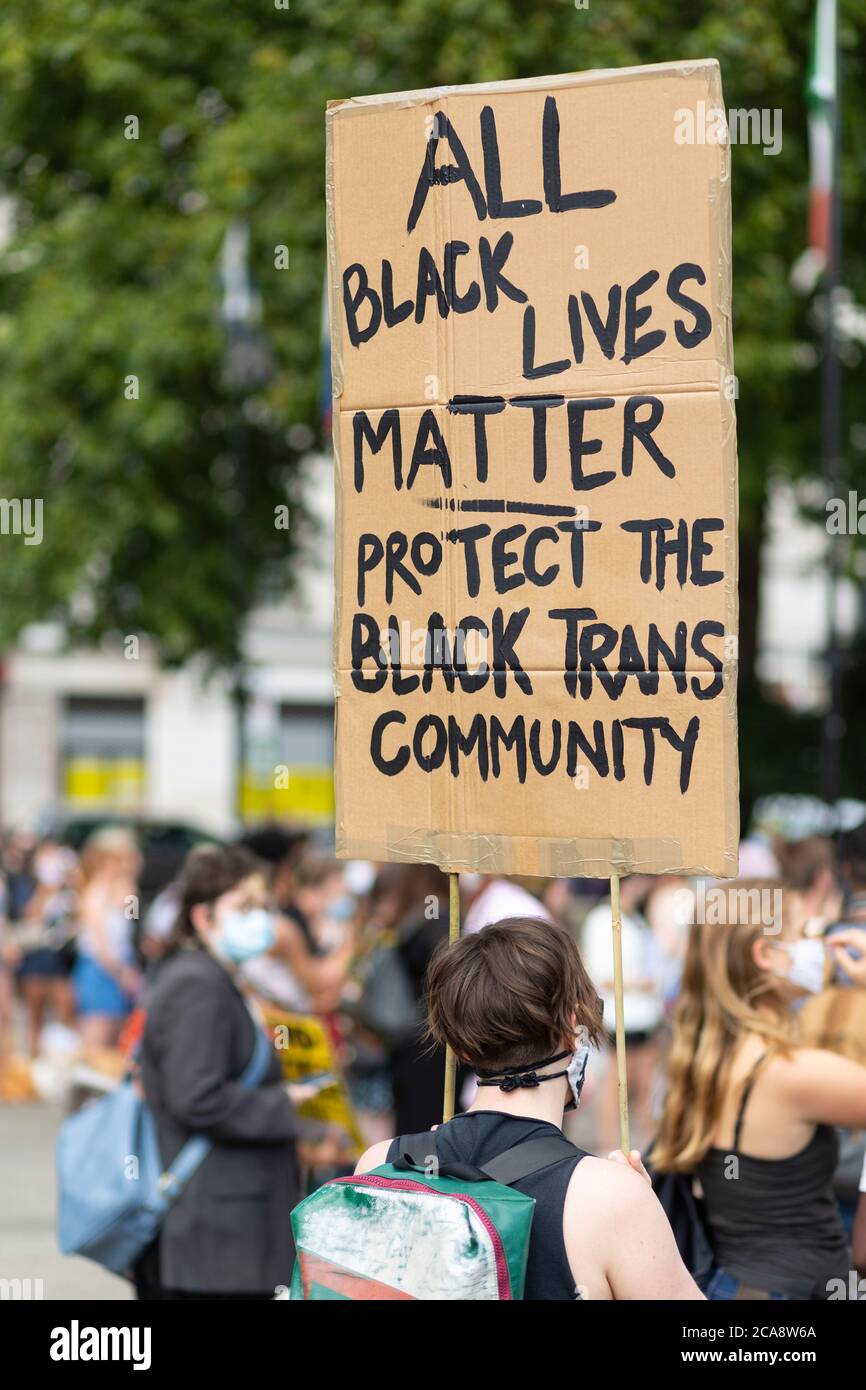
97 992
721 1285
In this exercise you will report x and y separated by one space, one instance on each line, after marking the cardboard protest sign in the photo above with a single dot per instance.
535 455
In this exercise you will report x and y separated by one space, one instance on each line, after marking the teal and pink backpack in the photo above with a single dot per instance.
421 1229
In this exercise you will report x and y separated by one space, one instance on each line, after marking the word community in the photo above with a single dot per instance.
546 747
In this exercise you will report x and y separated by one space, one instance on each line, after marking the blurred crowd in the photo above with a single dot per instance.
79 946
346 945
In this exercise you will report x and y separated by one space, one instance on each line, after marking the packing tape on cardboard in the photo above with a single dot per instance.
602 856
594 857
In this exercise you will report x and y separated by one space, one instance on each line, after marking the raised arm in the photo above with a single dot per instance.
824 1088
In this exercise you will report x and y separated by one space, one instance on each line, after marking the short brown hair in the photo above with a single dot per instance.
208 872
510 994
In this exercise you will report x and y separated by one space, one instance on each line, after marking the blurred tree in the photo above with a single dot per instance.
110 270
130 137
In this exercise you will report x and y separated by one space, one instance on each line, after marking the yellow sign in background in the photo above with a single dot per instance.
305 1050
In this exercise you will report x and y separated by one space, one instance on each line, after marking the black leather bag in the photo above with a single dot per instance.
685 1212
387 1007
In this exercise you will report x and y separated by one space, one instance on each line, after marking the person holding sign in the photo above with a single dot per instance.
751 1113
535 654
516 1004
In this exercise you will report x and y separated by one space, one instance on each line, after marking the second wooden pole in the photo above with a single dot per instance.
453 935
621 1067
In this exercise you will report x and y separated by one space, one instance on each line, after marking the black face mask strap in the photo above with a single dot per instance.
515 1078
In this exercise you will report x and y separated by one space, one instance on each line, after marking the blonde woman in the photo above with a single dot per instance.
106 977
748 1111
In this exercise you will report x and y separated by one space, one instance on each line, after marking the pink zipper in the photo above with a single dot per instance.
407 1185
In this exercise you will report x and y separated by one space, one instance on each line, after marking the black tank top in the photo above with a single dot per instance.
776 1226
482 1135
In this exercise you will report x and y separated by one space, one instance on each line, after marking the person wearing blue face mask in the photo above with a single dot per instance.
228 1234
244 933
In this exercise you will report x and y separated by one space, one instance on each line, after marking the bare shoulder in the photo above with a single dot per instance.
374 1157
607 1186
612 1218
619 1242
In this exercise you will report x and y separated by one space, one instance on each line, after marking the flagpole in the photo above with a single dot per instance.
833 727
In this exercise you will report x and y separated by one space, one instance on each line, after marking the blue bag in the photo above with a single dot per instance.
113 1191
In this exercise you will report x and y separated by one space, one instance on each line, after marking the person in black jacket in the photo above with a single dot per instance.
417 1069
228 1235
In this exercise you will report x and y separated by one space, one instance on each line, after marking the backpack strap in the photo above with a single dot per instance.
195 1150
416 1151
530 1157
512 1166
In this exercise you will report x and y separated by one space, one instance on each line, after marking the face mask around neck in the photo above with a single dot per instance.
577 1070
520 1078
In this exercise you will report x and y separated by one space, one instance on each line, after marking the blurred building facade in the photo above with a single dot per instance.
94 732
795 597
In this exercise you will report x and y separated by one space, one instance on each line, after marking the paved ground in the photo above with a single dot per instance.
28 1249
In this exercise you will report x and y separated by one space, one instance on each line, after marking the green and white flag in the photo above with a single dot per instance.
821 91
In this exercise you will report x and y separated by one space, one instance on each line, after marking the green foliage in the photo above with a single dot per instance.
113 272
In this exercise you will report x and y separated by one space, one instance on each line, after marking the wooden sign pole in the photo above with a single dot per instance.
453 935
621 1073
